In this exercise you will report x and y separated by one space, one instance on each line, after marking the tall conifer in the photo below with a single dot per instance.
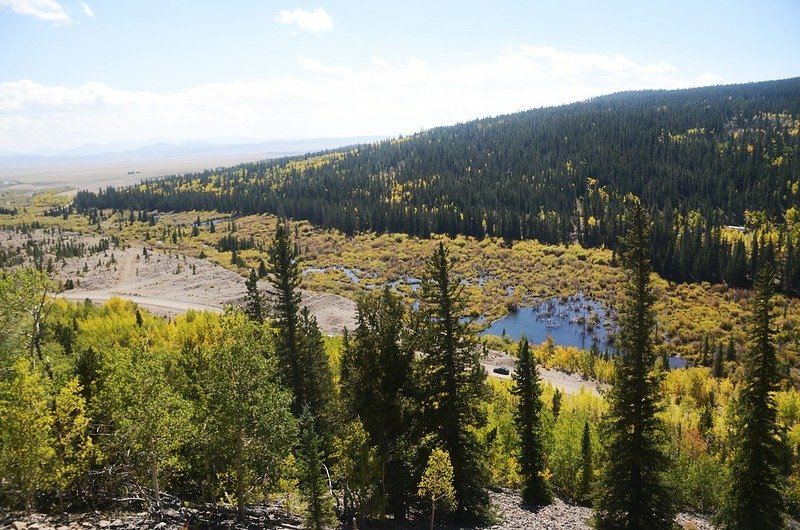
254 304
313 480
585 483
754 499
378 388
454 384
528 421
303 361
284 275
632 492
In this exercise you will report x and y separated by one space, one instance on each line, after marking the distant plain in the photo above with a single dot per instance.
71 172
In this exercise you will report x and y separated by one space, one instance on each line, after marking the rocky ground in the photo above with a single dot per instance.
169 519
511 515
560 516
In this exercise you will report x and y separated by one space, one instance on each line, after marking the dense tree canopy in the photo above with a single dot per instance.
554 174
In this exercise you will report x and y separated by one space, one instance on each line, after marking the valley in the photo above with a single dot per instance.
224 337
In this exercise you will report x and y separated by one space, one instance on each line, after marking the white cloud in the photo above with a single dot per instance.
313 65
49 10
380 63
87 10
315 21
379 98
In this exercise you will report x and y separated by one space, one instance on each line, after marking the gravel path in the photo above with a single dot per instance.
569 383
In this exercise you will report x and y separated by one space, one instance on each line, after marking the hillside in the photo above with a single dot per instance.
553 174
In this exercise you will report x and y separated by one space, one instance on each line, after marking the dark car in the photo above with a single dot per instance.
502 370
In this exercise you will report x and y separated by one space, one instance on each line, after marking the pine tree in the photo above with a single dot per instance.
736 274
528 422
754 497
632 493
556 406
716 367
303 361
317 379
730 354
454 388
254 303
378 388
313 478
284 275
704 353
585 483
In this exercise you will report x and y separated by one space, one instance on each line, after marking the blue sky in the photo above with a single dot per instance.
73 73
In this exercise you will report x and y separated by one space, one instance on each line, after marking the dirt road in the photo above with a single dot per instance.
170 284
568 383
159 306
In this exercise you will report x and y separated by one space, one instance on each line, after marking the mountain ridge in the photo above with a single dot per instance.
556 174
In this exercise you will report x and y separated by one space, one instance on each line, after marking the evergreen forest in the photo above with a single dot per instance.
700 159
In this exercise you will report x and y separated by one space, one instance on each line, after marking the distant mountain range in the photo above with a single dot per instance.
124 162
118 149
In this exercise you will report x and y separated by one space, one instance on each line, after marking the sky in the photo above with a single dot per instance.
74 73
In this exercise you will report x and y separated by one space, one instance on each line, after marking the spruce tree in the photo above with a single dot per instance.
284 275
716 367
585 483
317 378
557 395
705 350
631 492
313 477
378 388
254 304
528 422
754 499
301 354
455 382
730 354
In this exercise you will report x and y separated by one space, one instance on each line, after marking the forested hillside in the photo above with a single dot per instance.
699 159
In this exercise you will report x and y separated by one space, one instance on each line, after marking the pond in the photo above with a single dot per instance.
574 321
